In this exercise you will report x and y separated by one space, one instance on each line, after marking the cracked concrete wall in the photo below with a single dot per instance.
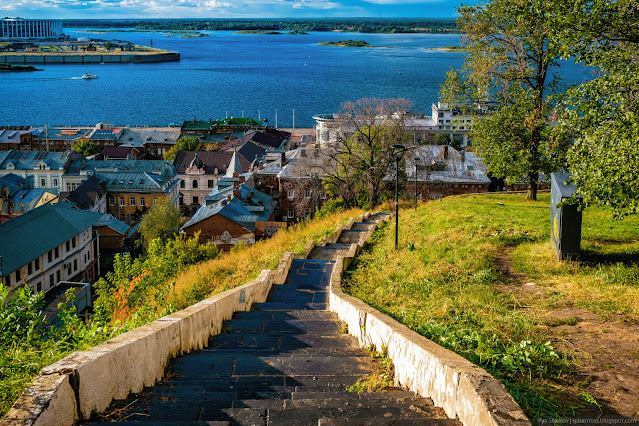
461 388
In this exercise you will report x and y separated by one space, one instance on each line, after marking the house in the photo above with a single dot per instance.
294 179
200 171
452 122
43 170
19 138
51 244
132 185
152 142
120 153
441 171
29 199
10 185
233 212
90 195
269 139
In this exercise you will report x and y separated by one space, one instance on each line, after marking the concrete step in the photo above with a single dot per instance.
321 327
363 226
288 306
286 315
311 416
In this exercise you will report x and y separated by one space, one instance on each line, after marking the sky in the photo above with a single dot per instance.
129 9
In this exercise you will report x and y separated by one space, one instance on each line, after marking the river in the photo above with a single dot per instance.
228 74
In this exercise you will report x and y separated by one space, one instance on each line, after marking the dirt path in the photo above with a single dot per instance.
606 353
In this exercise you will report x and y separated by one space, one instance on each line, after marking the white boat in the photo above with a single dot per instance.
87 76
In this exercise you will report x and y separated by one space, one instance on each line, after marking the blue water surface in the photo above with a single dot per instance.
227 74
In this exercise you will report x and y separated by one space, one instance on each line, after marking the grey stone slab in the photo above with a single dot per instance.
336 381
259 403
203 366
289 306
243 325
242 416
253 315
324 327
257 366
318 366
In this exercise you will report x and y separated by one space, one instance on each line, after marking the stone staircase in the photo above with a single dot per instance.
286 362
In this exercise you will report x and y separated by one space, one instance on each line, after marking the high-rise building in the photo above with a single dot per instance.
19 29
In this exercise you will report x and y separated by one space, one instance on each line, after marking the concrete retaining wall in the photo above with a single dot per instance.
461 388
86 382
78 58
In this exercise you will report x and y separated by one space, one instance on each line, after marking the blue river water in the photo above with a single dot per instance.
227 74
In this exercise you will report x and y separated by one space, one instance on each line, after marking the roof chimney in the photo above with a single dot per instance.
283 159
237 193
242 179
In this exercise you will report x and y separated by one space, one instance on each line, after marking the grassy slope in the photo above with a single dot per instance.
443 283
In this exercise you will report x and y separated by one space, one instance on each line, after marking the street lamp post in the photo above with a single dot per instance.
397 151
416 160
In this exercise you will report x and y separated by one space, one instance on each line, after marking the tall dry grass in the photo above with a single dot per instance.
244 264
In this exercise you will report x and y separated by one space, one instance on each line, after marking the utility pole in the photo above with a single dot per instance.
276 119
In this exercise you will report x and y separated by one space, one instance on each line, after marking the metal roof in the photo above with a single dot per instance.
140 136
38 231
29 160
238 209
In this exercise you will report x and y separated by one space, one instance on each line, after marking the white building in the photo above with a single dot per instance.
18 29
50 244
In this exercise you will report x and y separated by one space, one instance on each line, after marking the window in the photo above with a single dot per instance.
196 199
57 275
37 264
121 201
51 282
291 213
441 114
68 246
142 202
111 201
55 181
182 184
194 183
211 183
50 256
18 275
73 242
43 181
29 269
122 217
75 265
308 193
68 187
57 252
291 194
39 287
133 201
8 280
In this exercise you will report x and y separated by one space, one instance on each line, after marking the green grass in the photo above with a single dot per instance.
442 282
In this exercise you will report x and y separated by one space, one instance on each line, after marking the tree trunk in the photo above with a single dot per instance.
531 195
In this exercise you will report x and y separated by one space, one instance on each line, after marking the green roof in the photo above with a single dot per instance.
196 126
38 231
234 121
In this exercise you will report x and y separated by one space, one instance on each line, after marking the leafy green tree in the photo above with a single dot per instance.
360 157
183 144
161 221
86 147
508 69
603 114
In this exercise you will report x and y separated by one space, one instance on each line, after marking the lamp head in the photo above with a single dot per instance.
398 151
